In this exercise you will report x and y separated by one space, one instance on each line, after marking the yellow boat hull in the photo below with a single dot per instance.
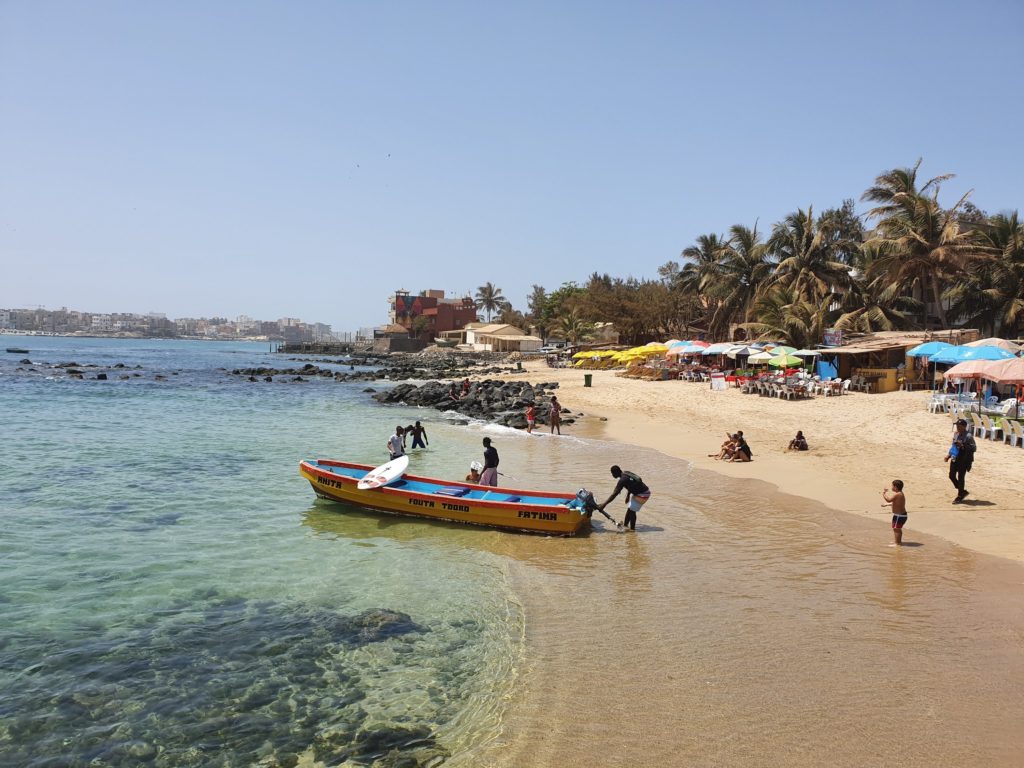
510 509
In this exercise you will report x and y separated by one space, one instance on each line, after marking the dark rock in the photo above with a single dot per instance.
101 376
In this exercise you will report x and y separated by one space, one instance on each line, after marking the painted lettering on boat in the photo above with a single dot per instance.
328 482
538 515
454 507
421 503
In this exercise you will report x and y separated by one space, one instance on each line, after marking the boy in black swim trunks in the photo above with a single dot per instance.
898 502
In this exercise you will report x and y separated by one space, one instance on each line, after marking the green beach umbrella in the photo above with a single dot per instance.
785 361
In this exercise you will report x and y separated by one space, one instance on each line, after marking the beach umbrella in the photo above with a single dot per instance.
782 349
1009 346
928 349
950 355
805 352
740 349
971 369
985 353
1009 371
784 361
579 355
760 358
718 349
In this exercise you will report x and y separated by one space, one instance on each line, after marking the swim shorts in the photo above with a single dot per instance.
898 521
635 502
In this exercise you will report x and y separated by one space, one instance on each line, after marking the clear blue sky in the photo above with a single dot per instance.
306 159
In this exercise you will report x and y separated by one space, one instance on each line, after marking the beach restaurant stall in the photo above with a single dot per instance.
881 358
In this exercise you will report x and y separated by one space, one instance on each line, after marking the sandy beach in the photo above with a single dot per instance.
758 616
858 443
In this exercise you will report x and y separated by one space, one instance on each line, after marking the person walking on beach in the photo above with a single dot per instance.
531 418
396 443
490 474
961 459
637 494
419 435
898 502
555 415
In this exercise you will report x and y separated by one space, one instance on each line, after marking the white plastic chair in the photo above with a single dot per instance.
1014 434
979 428
989 426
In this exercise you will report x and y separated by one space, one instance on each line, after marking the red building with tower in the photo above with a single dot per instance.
438 313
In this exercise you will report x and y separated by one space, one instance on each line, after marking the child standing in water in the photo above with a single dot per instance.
898 502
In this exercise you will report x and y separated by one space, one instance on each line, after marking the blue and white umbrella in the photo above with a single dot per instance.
928 349
960 354
718 349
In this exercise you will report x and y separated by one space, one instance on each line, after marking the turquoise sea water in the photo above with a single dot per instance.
172 593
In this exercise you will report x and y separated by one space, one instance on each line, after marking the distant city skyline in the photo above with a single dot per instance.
276 160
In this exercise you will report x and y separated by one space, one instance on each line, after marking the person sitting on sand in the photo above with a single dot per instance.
742 452
798 443
727 449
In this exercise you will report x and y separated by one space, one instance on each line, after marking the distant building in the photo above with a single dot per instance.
429 314
500 337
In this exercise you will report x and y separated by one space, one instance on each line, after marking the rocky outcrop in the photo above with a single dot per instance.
501 402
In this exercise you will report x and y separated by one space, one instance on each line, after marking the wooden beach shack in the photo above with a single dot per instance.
880 359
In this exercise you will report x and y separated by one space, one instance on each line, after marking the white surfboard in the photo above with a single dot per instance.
384 474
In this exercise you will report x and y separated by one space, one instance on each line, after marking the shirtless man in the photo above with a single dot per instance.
898 502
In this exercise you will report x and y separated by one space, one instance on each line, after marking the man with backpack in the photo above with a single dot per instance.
960 458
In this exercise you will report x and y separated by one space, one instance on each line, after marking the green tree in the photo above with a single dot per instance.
489 299
783 313
574 328
800 246
743 269
991 296
920 244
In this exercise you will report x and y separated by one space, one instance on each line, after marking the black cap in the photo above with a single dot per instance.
961 422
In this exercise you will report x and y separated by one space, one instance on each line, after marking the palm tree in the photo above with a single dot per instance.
805 263
920 244
872 302
489 299
574 328
743 268
782 313
992 295
702 262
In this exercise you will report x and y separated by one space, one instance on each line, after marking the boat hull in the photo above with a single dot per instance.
505 508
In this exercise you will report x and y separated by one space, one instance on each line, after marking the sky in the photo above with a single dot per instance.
282 159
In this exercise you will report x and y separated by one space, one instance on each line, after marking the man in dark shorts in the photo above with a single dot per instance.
637 494
419 435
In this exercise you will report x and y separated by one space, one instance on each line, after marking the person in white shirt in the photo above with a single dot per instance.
395 447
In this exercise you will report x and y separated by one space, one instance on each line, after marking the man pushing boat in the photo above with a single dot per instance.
637 494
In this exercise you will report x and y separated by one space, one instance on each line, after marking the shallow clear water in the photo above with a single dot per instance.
172 591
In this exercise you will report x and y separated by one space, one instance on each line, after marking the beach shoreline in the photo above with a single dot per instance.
858 444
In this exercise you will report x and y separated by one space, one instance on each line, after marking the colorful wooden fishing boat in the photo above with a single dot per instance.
531 511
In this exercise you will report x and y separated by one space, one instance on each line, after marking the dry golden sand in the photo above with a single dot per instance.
859 444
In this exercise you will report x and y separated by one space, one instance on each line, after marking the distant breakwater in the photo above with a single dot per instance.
501 402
